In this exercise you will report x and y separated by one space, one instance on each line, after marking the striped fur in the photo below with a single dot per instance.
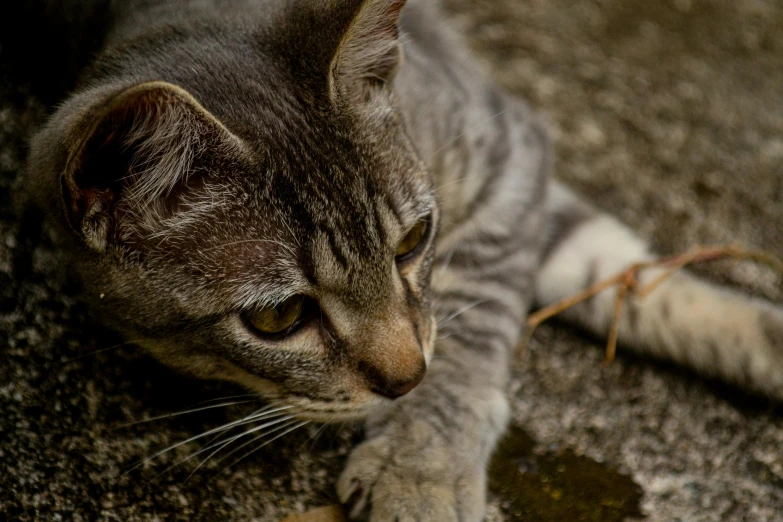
337 148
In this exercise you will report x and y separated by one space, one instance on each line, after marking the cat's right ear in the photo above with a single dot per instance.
369 52
135 155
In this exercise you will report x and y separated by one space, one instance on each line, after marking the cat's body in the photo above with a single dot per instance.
222 156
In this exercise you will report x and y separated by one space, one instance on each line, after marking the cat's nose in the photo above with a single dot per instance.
398 388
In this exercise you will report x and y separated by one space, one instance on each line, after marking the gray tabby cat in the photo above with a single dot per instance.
322 200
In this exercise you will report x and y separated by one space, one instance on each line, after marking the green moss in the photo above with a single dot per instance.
559 486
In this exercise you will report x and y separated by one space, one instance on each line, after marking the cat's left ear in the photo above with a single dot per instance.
135 153
369 52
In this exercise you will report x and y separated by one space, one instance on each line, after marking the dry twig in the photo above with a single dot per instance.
627 282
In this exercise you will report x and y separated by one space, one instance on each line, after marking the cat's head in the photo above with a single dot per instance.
254 210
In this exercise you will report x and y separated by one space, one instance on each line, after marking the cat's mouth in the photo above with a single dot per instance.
330 412
363 402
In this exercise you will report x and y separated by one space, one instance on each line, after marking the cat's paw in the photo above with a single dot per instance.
425 459
400 477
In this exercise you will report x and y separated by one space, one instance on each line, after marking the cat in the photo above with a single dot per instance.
330 203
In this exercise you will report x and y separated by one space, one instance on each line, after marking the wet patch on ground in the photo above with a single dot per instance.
559 485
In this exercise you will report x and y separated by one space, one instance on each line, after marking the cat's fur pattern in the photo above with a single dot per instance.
267 209
312 145
720 333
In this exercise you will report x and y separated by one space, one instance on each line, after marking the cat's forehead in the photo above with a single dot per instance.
276 228
350 214
354 175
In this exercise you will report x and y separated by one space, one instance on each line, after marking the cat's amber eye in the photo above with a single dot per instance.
412 239
280 318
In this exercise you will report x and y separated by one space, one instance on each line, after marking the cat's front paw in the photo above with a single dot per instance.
412 477
425 459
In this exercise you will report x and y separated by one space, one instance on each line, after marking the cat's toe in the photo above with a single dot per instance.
382 484
355 484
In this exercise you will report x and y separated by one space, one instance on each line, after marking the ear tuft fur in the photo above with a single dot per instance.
370 51
164 135
141 146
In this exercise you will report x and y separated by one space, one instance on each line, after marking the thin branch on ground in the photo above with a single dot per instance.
627 282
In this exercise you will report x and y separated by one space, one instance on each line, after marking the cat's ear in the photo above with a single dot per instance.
134 153
369 52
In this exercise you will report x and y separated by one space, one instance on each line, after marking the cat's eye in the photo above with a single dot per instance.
413 239
280 318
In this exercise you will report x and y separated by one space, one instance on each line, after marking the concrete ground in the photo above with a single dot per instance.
669 114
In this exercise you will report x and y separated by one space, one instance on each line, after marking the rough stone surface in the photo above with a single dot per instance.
669 114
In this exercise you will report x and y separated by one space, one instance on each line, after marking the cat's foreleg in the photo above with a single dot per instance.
425 458
717 331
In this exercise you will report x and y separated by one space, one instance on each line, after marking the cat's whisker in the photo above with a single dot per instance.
287 423
286 432
452 182
314 438
468 55
250 419
458 136
287 419
442 269
184 412
461 311
207 433
264 415
231 397
101 350
222 444
257 437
